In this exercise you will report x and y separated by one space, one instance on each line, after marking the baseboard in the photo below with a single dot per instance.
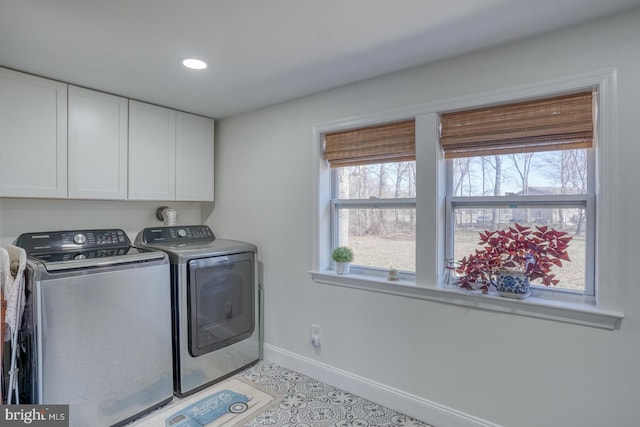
414 406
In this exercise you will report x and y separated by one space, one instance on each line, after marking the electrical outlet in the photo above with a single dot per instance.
315 335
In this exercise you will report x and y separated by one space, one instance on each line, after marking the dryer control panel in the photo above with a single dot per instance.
191 233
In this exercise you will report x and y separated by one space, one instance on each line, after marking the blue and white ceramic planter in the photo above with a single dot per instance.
512 285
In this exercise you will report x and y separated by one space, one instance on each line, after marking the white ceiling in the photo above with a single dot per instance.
260 52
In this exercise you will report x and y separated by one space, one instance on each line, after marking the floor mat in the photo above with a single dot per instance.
229 403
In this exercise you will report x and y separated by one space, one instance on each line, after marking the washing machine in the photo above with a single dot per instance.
97 326
216 303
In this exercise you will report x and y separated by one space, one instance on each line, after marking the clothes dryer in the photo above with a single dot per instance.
215 303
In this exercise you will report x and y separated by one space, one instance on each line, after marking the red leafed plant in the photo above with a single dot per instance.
514 250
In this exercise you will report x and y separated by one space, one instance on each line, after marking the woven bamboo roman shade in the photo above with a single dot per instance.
390 142
558 123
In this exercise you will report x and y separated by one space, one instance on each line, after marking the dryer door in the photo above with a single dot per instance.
220 301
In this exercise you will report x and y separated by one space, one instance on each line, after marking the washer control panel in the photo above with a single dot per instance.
72 240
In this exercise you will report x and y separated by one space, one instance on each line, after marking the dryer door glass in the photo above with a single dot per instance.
220 301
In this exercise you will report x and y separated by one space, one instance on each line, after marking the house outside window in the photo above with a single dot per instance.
373 195
530 163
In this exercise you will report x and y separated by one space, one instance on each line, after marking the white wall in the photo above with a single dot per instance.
19 216
553 374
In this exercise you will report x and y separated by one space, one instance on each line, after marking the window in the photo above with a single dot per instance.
373 190
530 163
563 171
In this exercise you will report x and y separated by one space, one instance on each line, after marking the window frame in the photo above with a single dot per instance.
585 201
386 203
604 312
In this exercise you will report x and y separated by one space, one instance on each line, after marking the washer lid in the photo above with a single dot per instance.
70 260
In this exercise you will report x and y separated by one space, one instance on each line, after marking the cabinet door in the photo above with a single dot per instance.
33 136
97 145
194 158
152 147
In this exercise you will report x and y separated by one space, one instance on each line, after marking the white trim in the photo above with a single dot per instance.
430 206
605 79
604 313
375 203
406 403
562 200
577 313
556 201
606 251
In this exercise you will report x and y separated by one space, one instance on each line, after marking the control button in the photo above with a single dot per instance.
182 232
79 239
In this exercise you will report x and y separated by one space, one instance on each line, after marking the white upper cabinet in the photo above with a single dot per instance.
194 157
170 154
152 148
113 148
98 127
33 136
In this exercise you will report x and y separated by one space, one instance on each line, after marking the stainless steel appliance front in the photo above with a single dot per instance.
98 329
221 301
216 300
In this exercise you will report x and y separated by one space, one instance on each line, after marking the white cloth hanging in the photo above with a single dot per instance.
13 287
14 295
4 277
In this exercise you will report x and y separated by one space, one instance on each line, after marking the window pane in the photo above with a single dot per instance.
468 222
543 173
379 238
382 180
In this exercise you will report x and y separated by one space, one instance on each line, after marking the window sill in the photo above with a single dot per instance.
579 313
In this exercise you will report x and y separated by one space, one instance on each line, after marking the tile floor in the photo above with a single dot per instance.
311 403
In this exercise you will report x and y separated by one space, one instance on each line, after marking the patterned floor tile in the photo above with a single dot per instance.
312 403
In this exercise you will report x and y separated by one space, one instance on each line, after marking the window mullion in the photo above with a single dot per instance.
374 203
590 259
559 200
334 184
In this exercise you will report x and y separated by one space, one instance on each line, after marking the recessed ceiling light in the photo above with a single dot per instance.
194 64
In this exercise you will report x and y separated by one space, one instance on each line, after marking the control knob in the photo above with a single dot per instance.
182 232
79 239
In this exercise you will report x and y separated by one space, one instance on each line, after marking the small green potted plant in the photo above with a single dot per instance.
509 259
342 256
